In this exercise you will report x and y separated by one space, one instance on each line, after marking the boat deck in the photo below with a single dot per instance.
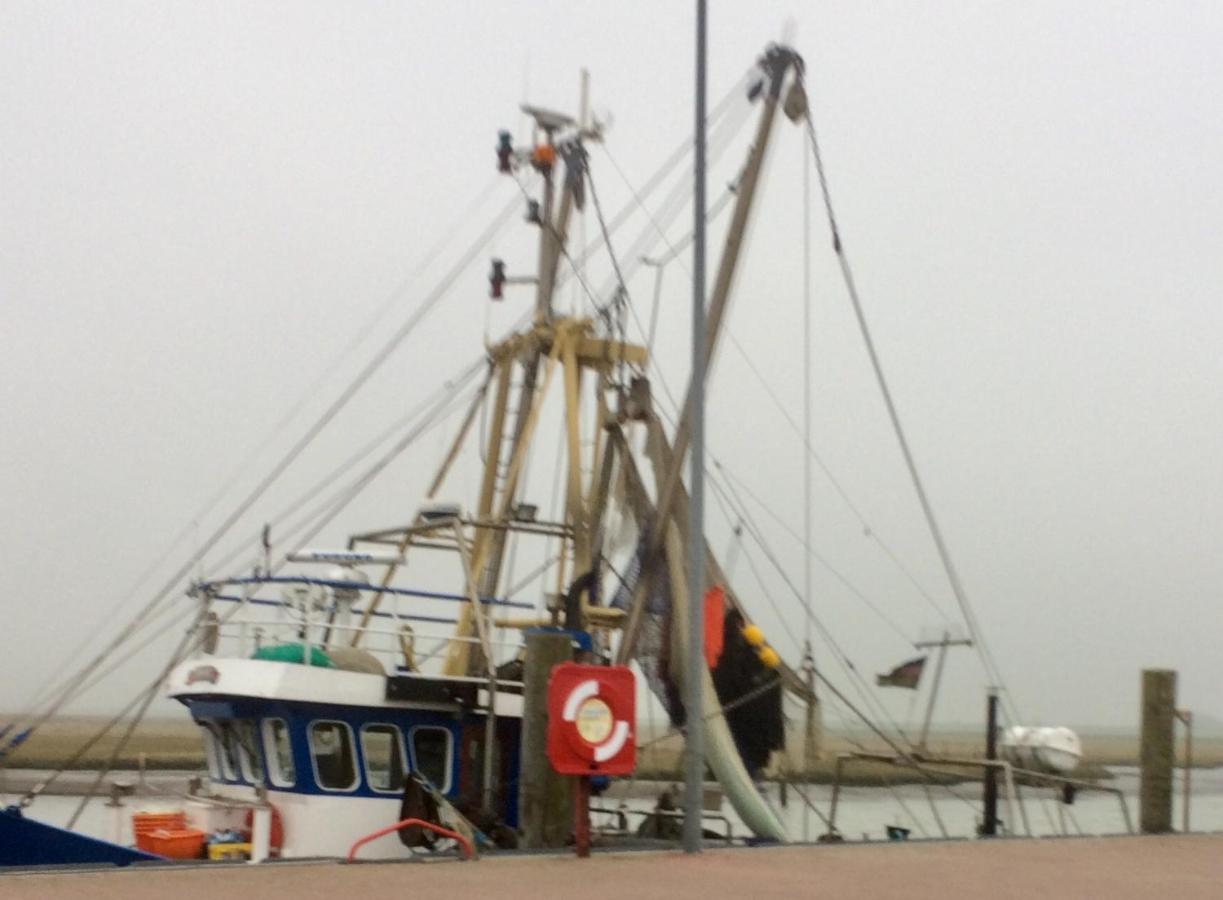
1118 868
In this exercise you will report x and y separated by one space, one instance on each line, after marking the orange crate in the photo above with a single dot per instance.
144 823
178 843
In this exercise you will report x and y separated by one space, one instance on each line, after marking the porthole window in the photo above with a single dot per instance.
279 752
382 748
431 755
332 755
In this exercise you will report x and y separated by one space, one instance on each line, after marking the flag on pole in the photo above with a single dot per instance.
905 675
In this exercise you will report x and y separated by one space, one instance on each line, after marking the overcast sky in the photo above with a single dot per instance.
202 204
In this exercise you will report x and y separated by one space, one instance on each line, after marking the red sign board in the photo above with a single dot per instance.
592 719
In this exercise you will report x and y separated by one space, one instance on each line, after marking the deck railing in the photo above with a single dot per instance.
320 613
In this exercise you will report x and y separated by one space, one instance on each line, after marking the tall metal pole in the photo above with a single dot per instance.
694 747
808 657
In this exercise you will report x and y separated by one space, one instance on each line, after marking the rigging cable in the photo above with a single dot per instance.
811 552
856 678
350 462
673 253
75 681
420 430
861 686
228 484
187 644
678 155
402 333
936 533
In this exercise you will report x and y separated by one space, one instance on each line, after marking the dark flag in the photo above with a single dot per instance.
905 675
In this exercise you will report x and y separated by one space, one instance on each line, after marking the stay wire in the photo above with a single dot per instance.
678 155
953 577
673 254
293 453
282 423
744 517
812 553
860 685
351 461
851 672
331 503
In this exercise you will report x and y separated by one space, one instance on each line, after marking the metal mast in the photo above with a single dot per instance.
694 746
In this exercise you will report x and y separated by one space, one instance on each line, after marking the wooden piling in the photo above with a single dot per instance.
989 824
1156 752
545 799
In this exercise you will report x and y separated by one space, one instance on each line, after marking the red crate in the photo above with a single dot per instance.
179 843
144 823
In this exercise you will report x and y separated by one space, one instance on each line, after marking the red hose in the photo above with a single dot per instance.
437 829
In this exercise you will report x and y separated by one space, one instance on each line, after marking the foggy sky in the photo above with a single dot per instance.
201 204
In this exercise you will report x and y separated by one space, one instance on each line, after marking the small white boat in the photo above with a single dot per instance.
1045 749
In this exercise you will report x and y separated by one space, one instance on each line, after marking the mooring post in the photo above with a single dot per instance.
545 798
1158 716
989 827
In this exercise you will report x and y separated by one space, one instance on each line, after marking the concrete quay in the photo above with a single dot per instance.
1117 868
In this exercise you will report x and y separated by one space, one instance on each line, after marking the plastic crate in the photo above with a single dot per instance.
144 823
229 850
179 843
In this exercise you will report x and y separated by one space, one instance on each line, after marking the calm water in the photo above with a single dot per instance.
863 813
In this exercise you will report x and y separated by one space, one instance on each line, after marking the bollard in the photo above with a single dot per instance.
1156 752
261 833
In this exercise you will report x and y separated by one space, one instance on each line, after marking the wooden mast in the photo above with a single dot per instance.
567 341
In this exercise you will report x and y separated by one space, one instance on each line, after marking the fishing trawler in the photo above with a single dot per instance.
322 700
330 684
339 691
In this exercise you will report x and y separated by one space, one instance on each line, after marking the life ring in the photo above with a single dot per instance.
601 720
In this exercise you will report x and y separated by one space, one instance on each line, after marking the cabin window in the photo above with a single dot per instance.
331 753
247 741
211 754
223 748
280 752
382 748
431 754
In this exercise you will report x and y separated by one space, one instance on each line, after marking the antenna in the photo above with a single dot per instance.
942 643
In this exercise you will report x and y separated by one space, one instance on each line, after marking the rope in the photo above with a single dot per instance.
79 685
725 126
936 533
293 453
149 695
334 475
235 476
673 253
812 553
364 480
842 659
851 671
